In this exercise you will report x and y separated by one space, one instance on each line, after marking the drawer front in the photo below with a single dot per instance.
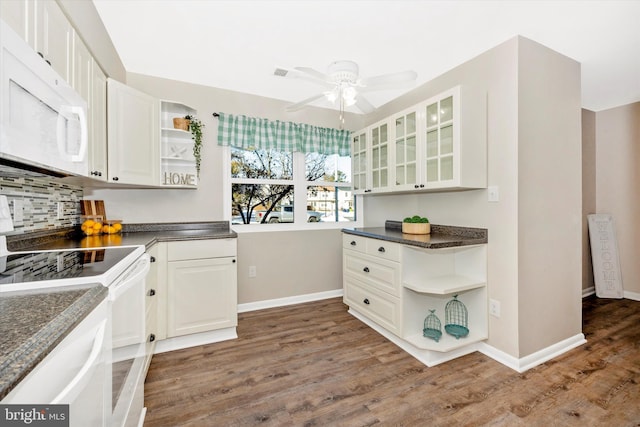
378 273
200 249
356 243
383 249
382 308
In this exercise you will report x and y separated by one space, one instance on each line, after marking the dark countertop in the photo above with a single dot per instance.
33 322
442 236
132 235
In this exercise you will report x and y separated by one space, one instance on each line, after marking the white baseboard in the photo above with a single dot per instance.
192 340
632 295
281 302
525 363
588 291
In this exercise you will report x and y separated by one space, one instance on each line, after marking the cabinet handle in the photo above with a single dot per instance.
233 261
115 178
152 338
421 185
366 301
152 292
416 186
381 249
152 259
366 269
353 243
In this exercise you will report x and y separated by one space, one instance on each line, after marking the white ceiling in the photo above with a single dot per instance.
237 45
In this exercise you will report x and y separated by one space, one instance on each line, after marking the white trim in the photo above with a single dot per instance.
281 302
193 340
143 414
635 296
588 291
427 357
525 363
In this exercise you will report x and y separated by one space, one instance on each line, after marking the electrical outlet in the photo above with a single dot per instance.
252 271
60 210
18 212
494 308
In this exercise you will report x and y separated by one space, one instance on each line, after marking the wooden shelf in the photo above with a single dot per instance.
444 285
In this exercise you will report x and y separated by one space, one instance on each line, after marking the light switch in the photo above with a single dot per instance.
493 193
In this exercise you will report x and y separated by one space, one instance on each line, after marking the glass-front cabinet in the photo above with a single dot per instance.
436 145
380 156
359 167
406 150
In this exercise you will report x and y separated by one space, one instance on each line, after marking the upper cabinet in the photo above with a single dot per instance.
439 144
133 122
98 124
54 37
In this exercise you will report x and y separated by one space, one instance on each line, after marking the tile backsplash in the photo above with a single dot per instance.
39 202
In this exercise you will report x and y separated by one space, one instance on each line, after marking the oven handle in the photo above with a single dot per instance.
131 277
78 382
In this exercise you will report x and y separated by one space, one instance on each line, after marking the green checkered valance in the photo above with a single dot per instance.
256 133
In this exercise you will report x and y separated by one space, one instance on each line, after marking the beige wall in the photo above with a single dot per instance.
549 197
588 193
618 183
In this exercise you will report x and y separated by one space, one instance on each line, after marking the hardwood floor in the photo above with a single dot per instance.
315 365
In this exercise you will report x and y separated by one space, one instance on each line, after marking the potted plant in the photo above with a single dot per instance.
196 131
416 225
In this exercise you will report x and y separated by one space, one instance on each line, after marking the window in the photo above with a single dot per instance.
270 186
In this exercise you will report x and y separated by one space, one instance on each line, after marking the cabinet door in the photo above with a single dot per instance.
405 139
380 157
202 295
133 140
81 68
16 14
53 37
441 154
360 166
98 124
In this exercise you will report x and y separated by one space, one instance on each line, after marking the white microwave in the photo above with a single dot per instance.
43 120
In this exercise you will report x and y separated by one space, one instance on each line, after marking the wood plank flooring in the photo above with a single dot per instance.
315 365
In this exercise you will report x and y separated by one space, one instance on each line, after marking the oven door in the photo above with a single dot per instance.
127 295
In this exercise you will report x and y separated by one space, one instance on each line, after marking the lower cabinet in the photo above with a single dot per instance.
195 290
393 287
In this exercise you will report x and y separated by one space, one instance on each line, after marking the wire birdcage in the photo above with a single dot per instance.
432 326
456 318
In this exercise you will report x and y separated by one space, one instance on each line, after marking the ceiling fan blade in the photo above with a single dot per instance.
387 80
363 105
299 105
313 73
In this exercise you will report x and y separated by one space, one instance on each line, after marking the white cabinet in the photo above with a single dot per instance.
436 145
395 285
18 15
53 37
98 124
132 132
82 67
178 165
201 286
151 304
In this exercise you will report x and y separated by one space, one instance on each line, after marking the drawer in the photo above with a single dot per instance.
378 273
383 249
380 307
200 249
356 243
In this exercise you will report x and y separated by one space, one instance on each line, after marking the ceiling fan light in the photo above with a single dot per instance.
349 95
332 96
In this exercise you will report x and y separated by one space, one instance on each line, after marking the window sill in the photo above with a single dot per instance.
315 226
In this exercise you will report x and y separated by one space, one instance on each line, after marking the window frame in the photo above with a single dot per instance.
300 185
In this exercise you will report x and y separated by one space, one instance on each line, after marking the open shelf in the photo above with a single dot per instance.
178 169
443 285
446 342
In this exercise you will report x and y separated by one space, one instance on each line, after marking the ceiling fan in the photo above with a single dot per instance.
343 84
